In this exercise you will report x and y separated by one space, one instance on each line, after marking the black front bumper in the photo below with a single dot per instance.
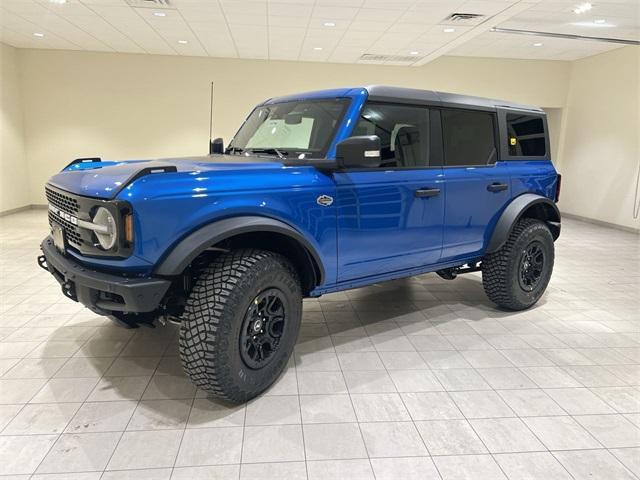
103 293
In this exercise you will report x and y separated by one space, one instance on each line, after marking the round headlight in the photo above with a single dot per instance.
108 235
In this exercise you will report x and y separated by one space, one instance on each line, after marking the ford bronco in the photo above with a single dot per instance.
316 193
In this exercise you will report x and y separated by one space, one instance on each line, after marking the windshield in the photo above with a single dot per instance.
303 129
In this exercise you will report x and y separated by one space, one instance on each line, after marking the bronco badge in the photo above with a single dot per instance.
324 200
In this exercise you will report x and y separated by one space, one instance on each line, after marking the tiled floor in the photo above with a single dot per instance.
414 379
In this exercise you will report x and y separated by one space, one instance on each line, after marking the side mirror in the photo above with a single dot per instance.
359 152
216 146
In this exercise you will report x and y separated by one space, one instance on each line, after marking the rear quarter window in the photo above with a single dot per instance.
525 136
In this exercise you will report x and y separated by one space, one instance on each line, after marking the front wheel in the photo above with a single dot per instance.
516 276
240 324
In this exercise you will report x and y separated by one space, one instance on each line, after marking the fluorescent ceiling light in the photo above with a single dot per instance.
538 44
183 42
38 34
414 52
160 14
317 48
593 24
600 21
449 30
582 8
329 24
58 2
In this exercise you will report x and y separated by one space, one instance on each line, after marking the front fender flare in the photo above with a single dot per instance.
187 249
528 205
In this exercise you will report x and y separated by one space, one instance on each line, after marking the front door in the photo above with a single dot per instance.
390 218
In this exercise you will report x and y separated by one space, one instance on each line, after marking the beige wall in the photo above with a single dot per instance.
600 148
14 184
134 106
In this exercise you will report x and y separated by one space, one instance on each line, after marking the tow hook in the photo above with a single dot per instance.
69 290
42 262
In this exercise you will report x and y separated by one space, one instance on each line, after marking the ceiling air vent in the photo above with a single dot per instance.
372 57
463 19
149 3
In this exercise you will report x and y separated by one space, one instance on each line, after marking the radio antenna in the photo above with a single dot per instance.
211 122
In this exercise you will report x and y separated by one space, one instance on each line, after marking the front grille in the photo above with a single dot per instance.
70 230
63 202
66 204
67 210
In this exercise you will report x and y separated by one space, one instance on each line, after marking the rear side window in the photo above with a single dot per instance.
468 138
403 132
526 136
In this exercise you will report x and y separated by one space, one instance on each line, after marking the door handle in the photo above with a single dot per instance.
427 192
497 187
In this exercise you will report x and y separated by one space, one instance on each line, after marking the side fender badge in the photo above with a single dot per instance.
324 200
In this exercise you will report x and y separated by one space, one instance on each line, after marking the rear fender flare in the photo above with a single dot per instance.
528 205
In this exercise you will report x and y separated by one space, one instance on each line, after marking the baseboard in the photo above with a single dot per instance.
602 223
22 209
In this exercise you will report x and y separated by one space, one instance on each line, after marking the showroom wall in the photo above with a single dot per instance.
14 184
600 148
138 106
128 106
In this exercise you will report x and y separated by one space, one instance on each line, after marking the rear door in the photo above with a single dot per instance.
390 218
478 187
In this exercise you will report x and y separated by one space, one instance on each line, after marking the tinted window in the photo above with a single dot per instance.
468 138
403 132
526 136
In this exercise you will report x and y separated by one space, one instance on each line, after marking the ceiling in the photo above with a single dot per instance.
400 32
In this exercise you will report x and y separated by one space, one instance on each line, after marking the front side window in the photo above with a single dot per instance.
290 128
403 132
526 136
468 138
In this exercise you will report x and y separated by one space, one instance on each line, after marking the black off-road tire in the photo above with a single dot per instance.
501 270
214 314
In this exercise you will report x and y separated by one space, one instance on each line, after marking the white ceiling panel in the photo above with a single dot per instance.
320 30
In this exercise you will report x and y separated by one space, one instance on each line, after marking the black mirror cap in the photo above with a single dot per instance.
216 146
359 152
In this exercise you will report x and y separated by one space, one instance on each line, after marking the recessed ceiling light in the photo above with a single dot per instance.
160 14
317 48
38 34
414 52
183 42
58 2
582 8
537 44
600 21
449 30
329 24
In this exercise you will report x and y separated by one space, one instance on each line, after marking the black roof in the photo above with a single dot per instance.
414 95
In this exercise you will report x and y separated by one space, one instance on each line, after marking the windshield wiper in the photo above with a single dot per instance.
282 154
234 150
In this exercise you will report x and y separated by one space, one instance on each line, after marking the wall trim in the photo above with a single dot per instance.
602 223
11 211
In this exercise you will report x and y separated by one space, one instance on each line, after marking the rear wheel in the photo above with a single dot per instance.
240 324
516 276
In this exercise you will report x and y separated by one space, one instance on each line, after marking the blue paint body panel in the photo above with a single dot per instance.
376 228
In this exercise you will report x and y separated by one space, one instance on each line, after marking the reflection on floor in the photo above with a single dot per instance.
419 378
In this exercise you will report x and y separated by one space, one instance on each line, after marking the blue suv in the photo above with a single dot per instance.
317 192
